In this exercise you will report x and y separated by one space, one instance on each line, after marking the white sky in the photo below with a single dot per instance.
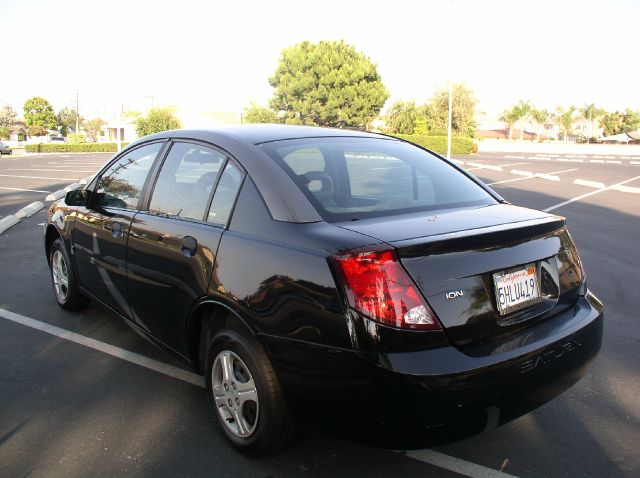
217 55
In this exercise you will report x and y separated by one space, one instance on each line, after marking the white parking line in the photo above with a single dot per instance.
634 162
530 177
513 157
582 196
456 465
26 190
589 184
626 189
431 457
36 177
548 177
522 173
57 170
109 349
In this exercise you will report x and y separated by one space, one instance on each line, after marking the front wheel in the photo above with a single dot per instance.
245 394
63 279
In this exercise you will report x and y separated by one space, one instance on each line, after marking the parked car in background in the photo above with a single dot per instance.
304 269
5 149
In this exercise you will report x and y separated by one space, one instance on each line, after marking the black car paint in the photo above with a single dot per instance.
271 266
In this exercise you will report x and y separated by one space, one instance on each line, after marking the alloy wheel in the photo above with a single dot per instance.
235 394
60 274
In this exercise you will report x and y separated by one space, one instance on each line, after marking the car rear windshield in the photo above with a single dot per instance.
355 178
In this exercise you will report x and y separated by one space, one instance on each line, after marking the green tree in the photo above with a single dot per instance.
590 113
565 119
67 121
327 84
39 116
7 120
157 120
540 117
92 128
523 109
259 114
401 117
611 123
630 120
7 117
510 117
463 110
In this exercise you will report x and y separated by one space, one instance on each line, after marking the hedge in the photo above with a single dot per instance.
73 147
438 144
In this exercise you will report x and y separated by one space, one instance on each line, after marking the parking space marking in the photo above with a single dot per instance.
531 176
36 177
597 191
25 190
590 184
626 189
512 164
57 170
432 457
103 347
456 465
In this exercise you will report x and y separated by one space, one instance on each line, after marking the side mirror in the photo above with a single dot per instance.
79 197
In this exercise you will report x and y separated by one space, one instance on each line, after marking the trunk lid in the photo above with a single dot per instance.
453 255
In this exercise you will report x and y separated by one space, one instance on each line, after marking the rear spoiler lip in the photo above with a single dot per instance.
453 241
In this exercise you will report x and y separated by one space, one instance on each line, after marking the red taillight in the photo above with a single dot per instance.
377 286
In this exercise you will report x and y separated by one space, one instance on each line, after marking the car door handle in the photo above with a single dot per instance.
116 229
189 246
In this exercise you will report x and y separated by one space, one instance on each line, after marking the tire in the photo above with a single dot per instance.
63 279
264 424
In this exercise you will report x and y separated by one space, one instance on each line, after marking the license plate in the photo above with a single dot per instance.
516 288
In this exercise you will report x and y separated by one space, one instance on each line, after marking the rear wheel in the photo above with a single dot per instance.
245 394
63 279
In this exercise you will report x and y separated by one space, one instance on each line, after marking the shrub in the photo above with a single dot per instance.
438 144
76 138
73 148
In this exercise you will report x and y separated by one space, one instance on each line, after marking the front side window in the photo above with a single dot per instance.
185 181
354 178
121 185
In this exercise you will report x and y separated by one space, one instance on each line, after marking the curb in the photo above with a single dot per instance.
29 210
60 193
7 222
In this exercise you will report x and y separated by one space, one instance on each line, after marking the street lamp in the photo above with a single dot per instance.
450 118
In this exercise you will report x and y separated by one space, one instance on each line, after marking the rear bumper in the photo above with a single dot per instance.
444 386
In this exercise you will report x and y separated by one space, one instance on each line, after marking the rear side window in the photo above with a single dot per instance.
121 185
353 178
225 196
185 181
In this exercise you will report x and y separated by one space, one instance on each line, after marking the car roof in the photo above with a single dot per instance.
263 133
282 196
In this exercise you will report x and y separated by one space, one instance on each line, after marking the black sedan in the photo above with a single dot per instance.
305 269
5 149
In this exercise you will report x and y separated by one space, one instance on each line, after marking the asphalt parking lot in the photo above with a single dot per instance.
116 405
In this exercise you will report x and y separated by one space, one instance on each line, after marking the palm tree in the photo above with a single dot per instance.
524 110
590 113
539 116
565 119
510 117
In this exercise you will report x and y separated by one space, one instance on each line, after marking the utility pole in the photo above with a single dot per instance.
77 112
450 117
